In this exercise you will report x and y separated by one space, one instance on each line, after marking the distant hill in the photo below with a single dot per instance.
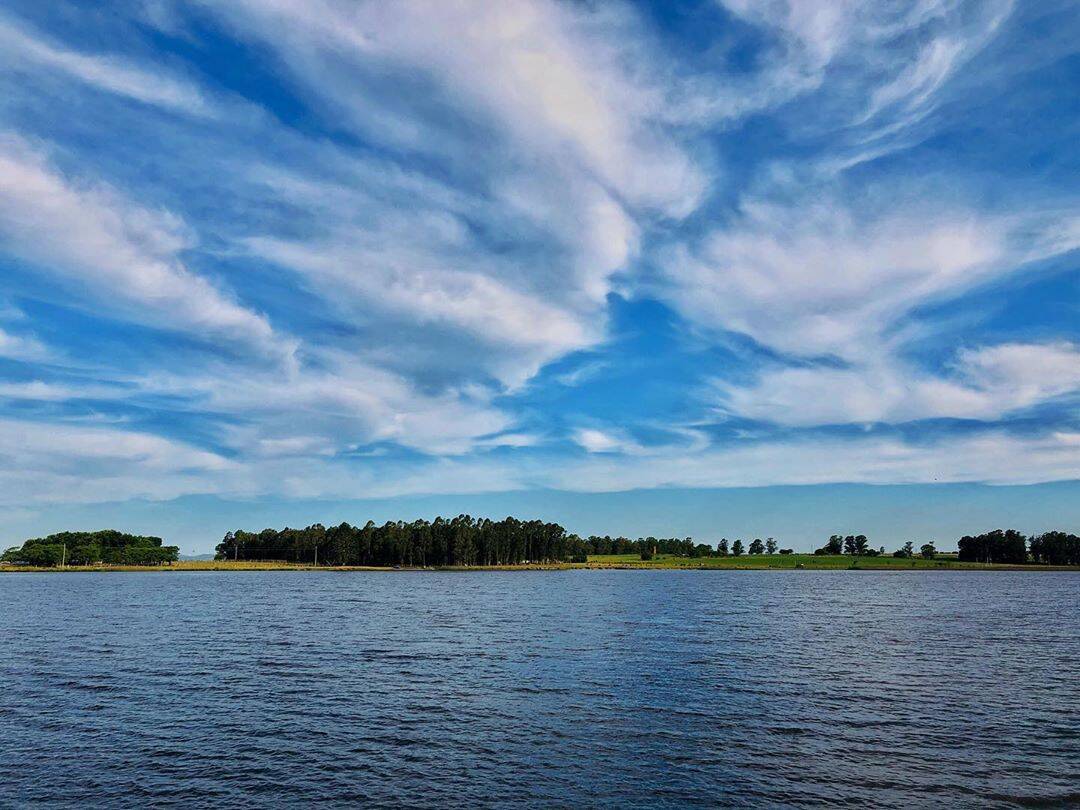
196 556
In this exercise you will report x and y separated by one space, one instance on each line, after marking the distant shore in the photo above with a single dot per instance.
763 562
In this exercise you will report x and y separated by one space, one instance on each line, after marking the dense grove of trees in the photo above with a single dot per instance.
88 548
459 541
1055 548
1010 546
463 540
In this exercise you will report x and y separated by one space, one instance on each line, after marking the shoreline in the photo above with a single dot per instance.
802 563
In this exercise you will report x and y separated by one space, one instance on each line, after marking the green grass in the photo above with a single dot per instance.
790 561
661 561
182 565
268 565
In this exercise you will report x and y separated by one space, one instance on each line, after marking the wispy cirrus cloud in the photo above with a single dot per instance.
87 464
52 463
552 81
110 74
346 262
18 347
126 255
983 384
814 278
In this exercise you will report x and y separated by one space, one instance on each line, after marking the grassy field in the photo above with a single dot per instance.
630 561
269 565
790 561
182 565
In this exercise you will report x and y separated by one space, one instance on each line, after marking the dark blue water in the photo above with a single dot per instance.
568 689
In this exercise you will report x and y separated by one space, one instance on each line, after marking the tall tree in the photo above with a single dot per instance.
1056 548
999 546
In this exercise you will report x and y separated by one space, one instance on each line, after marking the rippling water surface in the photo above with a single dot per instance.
577 688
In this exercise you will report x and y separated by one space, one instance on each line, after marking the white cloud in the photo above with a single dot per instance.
560 83
342 403
818 279
505 280
43 463
888 53
1022 373
516 159
57 392
552 153
53 463
127 256
511 439
606 441
400 278
910 94
986 384
582 373
992 457
17 347
114 75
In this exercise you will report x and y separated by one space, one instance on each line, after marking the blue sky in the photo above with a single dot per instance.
714 268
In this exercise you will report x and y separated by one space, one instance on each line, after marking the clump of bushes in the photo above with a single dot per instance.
109 547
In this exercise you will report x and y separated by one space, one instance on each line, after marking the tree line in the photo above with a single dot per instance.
468 541
857 545
462 540
1010 546
1001 546
108 547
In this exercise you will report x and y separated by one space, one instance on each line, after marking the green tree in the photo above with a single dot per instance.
737 548
999 546
770 546
928 551
722 547
757 547
1056 548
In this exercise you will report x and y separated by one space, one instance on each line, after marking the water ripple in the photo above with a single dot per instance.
544 689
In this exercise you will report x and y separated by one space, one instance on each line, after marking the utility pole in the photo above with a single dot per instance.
63 557
316 555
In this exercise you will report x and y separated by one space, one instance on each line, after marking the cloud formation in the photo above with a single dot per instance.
332 248
109 74
127 256
983 384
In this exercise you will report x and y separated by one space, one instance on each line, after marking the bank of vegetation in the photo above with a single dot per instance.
467 542
108 547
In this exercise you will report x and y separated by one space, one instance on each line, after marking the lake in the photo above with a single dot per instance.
548 689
